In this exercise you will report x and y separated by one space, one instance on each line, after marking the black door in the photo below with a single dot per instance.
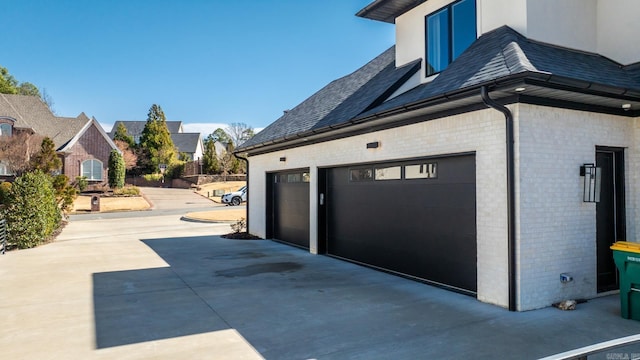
610 214
415 218
290 207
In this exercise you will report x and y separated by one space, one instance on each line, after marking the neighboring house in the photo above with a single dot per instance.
188 143
463 156
81 143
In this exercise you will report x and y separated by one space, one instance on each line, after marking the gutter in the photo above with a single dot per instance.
511 198
247 206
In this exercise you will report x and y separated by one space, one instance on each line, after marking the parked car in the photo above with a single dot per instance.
235 198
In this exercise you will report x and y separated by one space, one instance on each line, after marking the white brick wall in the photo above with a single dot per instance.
557 231
480 131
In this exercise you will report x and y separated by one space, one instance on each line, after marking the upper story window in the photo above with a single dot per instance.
5 129
92 169
449 32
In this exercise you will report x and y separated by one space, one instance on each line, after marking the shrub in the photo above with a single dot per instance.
116 170
175 170
239 226
81 183
127 191
152 177
32 213
5 189
65 193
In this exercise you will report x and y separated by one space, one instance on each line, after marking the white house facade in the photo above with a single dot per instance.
467 164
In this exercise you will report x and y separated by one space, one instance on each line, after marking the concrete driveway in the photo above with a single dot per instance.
158 287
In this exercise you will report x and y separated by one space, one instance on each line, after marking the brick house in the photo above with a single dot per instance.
492 149
81 143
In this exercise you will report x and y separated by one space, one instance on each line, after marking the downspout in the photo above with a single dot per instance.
247 206
511 192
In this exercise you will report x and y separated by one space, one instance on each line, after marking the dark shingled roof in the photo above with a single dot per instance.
134 128
503 53
499 55
186 142
339 101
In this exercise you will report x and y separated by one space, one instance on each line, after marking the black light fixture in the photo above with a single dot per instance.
283 159
373 145
591 185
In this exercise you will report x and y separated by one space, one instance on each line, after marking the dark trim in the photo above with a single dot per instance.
397 85
247 203
373 128
570 105
511 194
450 29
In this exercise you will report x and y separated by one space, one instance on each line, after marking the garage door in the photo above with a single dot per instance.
290 207
416 218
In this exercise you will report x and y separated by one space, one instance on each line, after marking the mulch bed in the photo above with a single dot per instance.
241 236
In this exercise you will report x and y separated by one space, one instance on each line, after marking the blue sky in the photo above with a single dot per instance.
206 62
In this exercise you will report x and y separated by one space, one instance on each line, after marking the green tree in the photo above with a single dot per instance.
220 136
46 160
27 88
122 135
8 84
210 163
116 170
32 212
65 192
156 140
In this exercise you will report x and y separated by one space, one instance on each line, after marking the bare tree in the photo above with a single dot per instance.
129 156
17 150
239 133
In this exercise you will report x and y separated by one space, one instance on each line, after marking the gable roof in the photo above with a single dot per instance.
186 142
31 112
340 100
499 59
134 128
85 127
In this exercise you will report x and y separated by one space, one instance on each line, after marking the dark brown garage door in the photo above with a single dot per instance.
416 218
290 207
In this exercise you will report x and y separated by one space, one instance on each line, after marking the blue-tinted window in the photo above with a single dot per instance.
449 32
437 41
463 16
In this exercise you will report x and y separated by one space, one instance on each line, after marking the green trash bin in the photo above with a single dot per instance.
627 258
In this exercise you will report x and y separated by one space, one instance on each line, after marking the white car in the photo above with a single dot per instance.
235 198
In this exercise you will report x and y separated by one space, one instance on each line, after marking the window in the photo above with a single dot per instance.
361 174
5 129
449 32
92 169
388 173
4 170
421 171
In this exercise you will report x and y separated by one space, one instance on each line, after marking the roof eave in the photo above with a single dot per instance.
519 78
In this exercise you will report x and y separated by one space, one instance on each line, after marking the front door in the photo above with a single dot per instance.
610 214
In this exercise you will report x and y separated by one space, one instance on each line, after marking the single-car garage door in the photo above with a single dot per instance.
289 216
416 218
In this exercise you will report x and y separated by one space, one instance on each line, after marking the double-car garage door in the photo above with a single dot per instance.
416 218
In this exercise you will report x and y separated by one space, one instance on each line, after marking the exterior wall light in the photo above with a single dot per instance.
373 145
591 186
519 89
